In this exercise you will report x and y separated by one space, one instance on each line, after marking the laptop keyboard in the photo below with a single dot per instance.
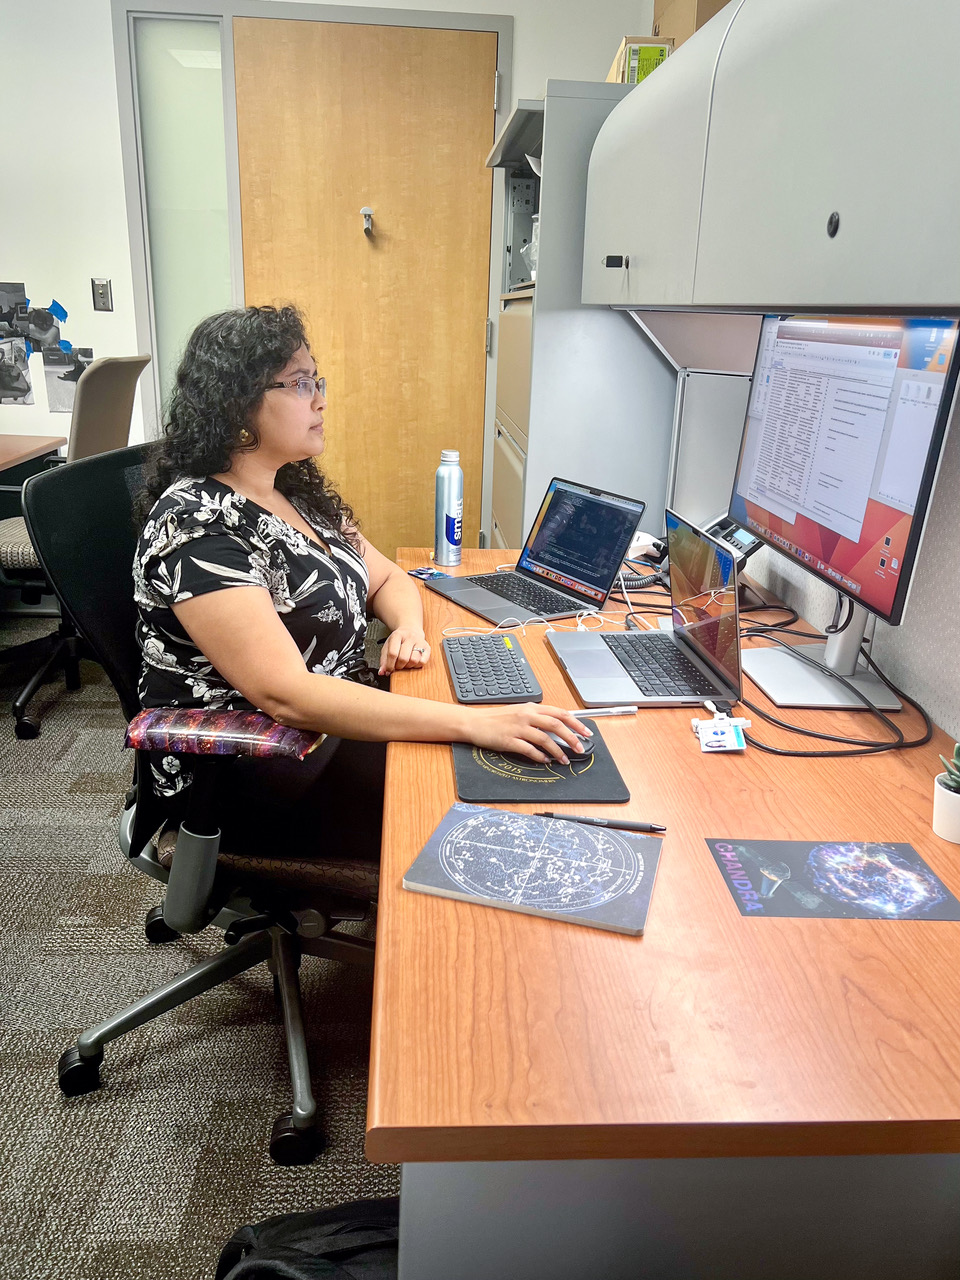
518 590
490 669
658 668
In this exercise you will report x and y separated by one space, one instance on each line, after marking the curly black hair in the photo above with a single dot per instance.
229 362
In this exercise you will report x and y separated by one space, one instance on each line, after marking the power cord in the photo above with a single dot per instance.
862 746
836 626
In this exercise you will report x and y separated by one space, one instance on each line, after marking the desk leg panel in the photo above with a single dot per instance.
833 1217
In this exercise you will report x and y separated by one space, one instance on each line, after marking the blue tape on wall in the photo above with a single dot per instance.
28 345
57 310
64 345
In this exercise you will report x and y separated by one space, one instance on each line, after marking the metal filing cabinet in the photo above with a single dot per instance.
512 417
581 392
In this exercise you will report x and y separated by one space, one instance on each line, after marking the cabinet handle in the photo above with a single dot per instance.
366 213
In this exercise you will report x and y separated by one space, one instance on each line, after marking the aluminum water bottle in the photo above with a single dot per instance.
448 521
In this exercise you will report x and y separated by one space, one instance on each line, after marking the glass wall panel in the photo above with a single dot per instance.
180 108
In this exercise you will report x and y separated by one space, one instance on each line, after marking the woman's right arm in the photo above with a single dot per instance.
240 633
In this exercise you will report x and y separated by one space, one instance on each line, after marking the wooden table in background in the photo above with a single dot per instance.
21 457
17 449
566 1098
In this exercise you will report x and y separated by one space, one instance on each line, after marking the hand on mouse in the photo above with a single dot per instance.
525 729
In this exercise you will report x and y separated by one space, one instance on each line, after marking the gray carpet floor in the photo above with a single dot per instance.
146 1178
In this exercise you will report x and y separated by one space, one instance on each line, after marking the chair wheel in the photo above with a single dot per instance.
293 1146
27 728
156 928
77 1075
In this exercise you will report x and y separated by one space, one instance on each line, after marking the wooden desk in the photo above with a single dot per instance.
17 449
500 1037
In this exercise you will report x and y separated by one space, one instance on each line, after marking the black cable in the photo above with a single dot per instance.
825 737
836 626
863 747
760 627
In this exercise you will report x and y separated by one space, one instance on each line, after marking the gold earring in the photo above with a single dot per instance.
246 437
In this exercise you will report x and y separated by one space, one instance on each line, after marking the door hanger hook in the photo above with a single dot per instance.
367 214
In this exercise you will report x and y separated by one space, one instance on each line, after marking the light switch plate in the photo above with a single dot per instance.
102 295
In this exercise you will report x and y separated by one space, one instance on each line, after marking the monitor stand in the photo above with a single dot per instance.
788 681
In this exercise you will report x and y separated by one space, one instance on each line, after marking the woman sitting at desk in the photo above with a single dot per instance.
253 581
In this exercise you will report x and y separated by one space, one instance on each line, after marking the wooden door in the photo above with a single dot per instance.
333 117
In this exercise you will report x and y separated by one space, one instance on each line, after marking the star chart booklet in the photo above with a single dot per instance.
596 876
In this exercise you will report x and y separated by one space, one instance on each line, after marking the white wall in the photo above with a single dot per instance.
63 212
63 217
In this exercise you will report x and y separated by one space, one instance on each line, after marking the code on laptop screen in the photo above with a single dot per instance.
579 539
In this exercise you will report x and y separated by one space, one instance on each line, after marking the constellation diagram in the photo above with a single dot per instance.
538 862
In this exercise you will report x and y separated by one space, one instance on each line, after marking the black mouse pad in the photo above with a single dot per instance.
484 776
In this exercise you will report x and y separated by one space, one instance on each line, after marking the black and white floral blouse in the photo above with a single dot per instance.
202 536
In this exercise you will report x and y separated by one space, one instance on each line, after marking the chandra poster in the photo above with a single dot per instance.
832 879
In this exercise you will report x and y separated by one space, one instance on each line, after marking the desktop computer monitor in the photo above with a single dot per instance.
843 434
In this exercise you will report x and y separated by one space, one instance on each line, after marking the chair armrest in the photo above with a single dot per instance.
188 731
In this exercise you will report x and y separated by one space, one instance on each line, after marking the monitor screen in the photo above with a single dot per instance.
579 538
844 427
703 594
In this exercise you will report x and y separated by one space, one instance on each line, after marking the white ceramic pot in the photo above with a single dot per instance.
946 811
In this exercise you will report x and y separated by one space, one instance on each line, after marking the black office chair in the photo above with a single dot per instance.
272 908
102 409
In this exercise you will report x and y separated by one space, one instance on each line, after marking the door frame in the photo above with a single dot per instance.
224 11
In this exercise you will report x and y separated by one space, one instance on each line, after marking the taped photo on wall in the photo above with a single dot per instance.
62 371
15 384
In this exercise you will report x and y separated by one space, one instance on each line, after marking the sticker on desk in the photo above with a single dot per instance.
826 880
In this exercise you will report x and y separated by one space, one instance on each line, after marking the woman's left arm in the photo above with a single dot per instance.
395 600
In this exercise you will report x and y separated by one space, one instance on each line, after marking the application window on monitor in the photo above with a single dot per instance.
843 434
843 419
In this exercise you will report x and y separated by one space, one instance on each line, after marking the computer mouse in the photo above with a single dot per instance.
587 745
516 758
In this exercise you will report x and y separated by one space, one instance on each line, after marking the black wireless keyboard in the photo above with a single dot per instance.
539 600
490 669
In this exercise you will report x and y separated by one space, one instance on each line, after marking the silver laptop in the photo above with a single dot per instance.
697 660
569 562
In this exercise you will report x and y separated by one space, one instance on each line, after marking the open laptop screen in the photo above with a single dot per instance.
703 591
579 539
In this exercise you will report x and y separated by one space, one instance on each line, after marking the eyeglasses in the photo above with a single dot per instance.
306 387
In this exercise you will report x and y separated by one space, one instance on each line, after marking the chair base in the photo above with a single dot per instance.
62 648
295 1139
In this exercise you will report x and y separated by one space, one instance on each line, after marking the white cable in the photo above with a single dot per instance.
631 612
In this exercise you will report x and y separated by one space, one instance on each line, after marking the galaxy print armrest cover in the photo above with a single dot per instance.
187 730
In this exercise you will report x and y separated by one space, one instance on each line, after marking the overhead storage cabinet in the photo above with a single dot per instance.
645 178
719 174
879 81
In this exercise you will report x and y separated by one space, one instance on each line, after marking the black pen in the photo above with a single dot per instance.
620 824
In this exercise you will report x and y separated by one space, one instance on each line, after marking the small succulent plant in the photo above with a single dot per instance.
951 779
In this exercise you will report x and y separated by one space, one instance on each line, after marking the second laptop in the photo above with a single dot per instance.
698 658
568 564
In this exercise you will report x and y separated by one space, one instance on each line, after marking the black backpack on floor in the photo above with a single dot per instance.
355 1241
